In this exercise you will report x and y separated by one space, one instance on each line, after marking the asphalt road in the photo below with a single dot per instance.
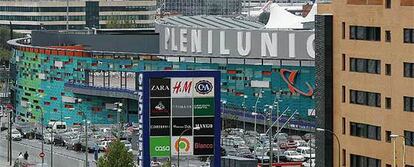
61 156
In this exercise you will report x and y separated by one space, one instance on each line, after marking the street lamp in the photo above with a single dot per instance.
118 110
255 114
244 111
394 136
52 142
223 102
337 139
78 101
179 140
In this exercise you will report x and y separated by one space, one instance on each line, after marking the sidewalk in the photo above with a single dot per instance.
4 163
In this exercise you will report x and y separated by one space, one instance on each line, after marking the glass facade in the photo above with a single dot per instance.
46 72
201 7
48 15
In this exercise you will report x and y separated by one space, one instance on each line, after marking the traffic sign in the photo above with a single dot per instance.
41 155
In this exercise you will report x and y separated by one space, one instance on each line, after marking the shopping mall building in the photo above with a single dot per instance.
258 68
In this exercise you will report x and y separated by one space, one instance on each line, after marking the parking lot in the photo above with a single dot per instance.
287 149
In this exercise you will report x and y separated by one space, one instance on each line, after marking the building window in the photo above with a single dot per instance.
388 102
365 65
388 4
365 33
343 30
387 69
343 62
388 136
343 157
409 136
343 94
365 131
408 35
343 125
365 98
409 70
408 104
362 161
387 36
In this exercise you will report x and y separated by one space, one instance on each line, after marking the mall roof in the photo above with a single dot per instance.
211 22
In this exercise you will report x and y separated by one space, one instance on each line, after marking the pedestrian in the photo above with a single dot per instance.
26 156
20 157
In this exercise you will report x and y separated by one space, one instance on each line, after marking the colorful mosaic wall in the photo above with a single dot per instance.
41 77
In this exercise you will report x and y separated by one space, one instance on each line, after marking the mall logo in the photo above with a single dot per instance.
203 87
291 82
182 87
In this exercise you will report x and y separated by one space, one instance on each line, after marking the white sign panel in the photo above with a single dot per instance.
259 84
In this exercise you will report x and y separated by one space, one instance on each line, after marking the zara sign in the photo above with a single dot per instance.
260 43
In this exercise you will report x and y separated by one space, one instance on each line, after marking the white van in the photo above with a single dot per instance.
57 126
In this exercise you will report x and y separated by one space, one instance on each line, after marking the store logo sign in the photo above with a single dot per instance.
203 126
162 148
182 144
160 87
291 82
204 87
182 87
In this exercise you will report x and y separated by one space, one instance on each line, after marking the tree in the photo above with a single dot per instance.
117 156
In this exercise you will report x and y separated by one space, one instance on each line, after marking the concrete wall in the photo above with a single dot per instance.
139 43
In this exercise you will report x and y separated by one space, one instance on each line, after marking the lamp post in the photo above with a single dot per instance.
394 136
223 102
270 134
118 110
244 111
255 108
179 140
337 139
255 114
52 142
78 101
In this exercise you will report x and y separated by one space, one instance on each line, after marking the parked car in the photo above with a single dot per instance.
294 156
127 144
26 132
74 144
288 145
308 136
281 135
307 152
301 143
104 145
294 138
58 140
15 135
244 152
230 151
47 138
309 163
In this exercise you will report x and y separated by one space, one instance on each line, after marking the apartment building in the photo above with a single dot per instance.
365 77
